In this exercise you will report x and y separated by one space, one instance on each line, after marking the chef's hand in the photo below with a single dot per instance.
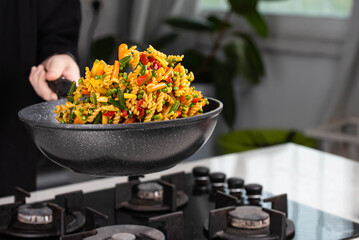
51 69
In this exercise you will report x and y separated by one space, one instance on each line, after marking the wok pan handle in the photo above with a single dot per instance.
60 86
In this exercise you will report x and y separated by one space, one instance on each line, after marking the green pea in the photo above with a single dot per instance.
149 51
120 74
195 95
76 102
86 100
174 78
139 96
200 111
83 118
194 88
109 93
142 92
114 90
123 82
81 109
163 101
186 71
130 115
97 77
125 76
62 121
175 88
127 83
168 59
190 79
169 85
121 68
172 65
110 121
180 74
191 105
90 111
148 111
80 80
188 97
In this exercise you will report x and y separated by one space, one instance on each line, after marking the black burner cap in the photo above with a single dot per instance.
253 189
234 182
217 177
200 171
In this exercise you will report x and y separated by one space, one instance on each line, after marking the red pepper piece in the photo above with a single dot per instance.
194 100
152 59
169 79
144 59
139 104
142 112
109 114
156 65
142 79
183 98
123 113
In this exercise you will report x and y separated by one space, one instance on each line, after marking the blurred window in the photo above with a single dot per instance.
307 8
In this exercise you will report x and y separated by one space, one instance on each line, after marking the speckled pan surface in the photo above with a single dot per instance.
121 149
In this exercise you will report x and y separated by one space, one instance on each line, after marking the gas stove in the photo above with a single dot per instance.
199 205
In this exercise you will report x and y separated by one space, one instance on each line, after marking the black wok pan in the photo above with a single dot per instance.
118 149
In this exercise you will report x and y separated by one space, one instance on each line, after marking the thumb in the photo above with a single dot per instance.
55 67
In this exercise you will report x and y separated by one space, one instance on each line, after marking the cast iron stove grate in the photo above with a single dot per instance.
249 222
41 220
166 194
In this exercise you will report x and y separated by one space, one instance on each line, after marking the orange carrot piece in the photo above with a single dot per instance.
116 69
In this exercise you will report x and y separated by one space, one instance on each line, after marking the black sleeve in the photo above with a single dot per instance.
58 27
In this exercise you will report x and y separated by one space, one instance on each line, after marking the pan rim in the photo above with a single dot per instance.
100 127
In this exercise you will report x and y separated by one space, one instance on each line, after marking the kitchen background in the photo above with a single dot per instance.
310 58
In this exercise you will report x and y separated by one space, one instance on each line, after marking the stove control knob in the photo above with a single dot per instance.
199 172
201 176
235 186
254 192
217 179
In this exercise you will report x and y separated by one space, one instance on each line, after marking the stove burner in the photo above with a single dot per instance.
123 236
37 213
150 191
248 217
140 233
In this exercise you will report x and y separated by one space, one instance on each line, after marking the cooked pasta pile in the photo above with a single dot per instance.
139 87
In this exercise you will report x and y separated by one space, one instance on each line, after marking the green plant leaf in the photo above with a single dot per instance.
189 24
243 7
258 23
164 40
237 53
254 56
218 23
223 76
103 48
